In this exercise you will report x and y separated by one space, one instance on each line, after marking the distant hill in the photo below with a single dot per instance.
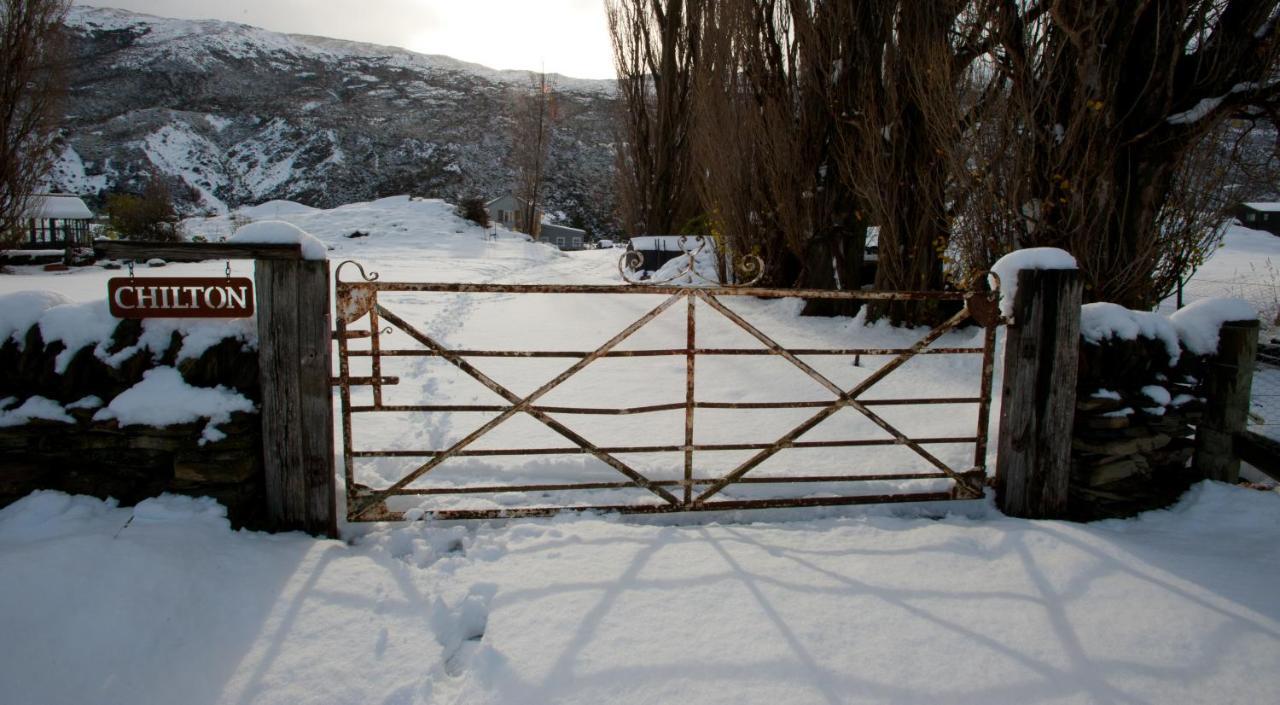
232 114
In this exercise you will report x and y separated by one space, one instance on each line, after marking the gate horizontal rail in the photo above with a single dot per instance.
359 300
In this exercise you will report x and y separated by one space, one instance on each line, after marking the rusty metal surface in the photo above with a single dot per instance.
358 300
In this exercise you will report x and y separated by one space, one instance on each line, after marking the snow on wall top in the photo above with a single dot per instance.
58 205
268 232
1007 268
89 323
163 398
23 309
1102 321
1198 324
1266 207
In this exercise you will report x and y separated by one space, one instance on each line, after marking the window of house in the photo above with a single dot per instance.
560 242
1250 217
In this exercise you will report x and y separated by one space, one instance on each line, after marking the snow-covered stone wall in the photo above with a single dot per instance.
90 404
1140 393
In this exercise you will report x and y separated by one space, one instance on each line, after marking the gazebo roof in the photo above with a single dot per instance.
58 205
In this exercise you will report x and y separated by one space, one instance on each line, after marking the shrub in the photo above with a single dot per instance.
473 209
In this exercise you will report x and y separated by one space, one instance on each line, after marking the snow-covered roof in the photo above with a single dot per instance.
58 205
1268 207
548 228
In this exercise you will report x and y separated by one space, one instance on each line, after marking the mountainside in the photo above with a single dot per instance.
230 114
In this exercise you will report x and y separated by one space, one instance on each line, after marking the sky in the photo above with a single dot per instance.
560 36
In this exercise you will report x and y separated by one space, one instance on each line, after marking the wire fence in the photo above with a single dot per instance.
1264 407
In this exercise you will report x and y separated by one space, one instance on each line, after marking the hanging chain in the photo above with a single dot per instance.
228 269
131 269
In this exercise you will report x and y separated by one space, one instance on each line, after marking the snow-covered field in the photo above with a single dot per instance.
162 603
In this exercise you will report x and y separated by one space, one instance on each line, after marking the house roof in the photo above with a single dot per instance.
1267 207
562 229
58 205
506 195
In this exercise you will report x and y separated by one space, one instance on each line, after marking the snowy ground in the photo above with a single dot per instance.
1247 266
1175 607
951 603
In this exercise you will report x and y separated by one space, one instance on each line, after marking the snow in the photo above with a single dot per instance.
163 603
1270 207
22 309
1006 269
155 604
36 407
76 326
1157 394
1107 394
280 232
1198 324
89 402
1103 321
163 398
58 206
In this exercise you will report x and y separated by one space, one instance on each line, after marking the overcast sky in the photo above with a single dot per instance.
565 36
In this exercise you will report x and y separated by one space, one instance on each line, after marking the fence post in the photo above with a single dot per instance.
1042 348
1227 388
297 406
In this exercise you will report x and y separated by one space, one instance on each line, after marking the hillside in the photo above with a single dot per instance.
232 114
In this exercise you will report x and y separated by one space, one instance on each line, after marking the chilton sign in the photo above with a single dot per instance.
180 297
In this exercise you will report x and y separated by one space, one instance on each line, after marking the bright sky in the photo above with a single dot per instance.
564 36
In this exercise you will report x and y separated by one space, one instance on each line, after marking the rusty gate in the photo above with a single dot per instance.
363 316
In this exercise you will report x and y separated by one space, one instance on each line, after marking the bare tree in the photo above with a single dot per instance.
533 117
31 69
771 81
656 44
1102 151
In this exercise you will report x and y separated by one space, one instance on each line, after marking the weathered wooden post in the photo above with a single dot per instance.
297 406
1041 352
1227 385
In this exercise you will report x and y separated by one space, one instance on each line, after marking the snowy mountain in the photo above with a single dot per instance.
231 114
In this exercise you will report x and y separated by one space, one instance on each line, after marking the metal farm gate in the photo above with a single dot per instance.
363 319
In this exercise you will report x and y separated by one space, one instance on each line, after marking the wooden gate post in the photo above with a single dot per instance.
1228 386
297 405
1042 349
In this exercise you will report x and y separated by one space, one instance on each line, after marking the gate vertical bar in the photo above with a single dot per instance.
344 401
984 396
375 346
690 358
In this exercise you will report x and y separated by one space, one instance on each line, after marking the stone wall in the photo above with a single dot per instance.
102 457
1134 426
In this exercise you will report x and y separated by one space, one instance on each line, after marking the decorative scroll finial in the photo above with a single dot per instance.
337 272
746 271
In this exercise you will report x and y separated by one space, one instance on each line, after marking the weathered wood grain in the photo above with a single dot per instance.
1227 388
1041 356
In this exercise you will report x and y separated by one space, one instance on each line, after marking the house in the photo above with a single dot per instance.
510 211
563 236
56 221
1259 216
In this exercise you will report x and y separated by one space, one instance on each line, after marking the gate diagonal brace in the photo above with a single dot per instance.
519 404
843 398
